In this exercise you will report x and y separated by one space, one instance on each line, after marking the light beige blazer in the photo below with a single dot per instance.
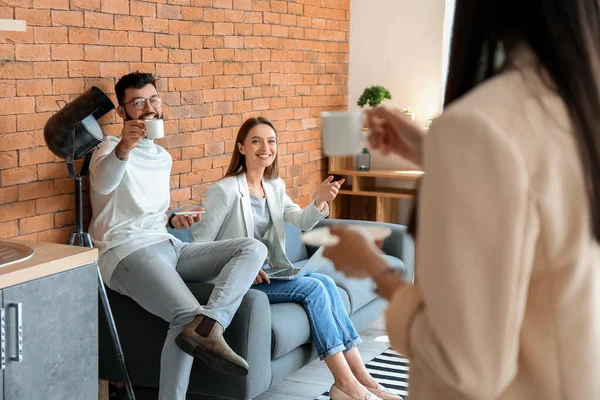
229 215
507 304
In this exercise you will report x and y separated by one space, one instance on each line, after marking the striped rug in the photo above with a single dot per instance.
390 369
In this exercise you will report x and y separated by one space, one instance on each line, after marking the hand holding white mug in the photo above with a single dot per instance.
133 131
328 190
392 132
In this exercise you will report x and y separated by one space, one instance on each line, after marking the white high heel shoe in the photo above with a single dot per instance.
383 393
336 394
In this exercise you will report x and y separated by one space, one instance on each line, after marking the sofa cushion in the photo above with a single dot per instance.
289 327
359 291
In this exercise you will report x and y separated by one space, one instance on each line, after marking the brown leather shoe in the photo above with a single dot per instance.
212 348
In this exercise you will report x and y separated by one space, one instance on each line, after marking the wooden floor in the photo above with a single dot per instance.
309 382
312 380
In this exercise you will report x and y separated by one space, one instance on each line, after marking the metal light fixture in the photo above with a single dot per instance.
72 134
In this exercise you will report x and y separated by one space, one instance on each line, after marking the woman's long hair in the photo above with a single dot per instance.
237 165
565 36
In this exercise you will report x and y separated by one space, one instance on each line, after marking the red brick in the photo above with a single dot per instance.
69 86
84 68
60 236
128 23
36 190
50 34
54 4
9 159
192 42
114 38
32 52
54 204
49 103
7 52
142 8
192 13
155 25
243 29
9 229
29 122
52 171
64 218
253 18
33 17
85 4
18 70
180 56
99 53
9 194
128 54
67 52
19 105
214 42
171 41
223 3
168 70
142 39
155 55
214 15
36 224
18 210
16 176
33 87
199 56
99 20
116 69
223 28
83 35
242 5
115 7
168 11
67 18
262 30
17 37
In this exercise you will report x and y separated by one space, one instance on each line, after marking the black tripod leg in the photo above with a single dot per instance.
115 337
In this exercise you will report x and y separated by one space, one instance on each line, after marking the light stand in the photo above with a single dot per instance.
72 134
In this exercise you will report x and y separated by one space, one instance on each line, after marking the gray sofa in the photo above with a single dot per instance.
274 339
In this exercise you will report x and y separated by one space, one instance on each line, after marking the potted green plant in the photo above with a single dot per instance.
373 96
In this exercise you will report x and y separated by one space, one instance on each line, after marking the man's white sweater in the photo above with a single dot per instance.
129 201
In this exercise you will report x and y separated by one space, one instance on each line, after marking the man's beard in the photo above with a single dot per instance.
143 116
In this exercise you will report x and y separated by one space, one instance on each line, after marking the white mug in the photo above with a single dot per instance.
155 128
342 132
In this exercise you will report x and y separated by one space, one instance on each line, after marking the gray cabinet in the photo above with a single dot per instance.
58 321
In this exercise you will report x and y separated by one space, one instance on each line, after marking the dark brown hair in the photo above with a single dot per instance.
565 36
237 165
134 80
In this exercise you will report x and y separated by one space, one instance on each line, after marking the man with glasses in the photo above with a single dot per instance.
130 195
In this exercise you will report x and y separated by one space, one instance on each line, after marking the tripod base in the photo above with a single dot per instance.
80 239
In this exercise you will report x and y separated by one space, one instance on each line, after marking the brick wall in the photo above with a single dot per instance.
218 62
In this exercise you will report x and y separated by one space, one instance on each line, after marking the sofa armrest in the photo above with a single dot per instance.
249 335
399 244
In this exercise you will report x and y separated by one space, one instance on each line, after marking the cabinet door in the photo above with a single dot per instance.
59 315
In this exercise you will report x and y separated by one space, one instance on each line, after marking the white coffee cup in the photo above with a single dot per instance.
155 129
342 132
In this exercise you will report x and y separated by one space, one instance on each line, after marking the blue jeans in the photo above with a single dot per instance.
331 328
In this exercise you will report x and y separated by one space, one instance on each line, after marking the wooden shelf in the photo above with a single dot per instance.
365 197
380 173
394 193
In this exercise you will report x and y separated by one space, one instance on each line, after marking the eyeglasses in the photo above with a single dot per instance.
140 102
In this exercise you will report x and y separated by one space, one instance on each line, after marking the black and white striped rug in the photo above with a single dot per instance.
390 369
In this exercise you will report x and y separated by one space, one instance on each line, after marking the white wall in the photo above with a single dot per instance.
398 44
402 45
